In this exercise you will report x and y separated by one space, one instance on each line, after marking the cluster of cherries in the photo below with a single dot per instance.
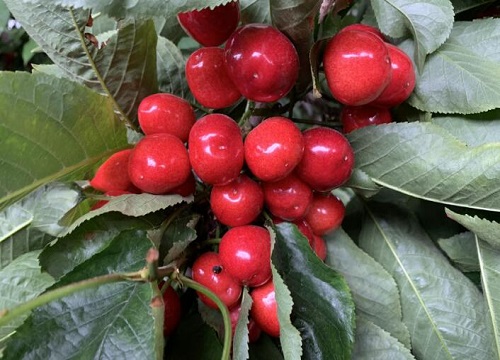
366 74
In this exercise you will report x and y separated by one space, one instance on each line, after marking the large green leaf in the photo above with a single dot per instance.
124 69
429 22
20 281
489 259
423 160
442 309
485 229
112 321
464 5
51 129
170 68
468 55
255 11
461 249
325 320
374 291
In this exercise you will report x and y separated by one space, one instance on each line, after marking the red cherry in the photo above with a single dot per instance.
357 67
216 149
325 214
245 252
159 163
319 247
356 117
367 28
328 159
166 113
271 157
288 198
208 79
187 188
172 314
110 193
211 27
403 79
113 175
209 272
254 330
265 309
303 227
237 203
262 62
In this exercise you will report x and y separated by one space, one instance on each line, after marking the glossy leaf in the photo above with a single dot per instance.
485 229
428 22
424 161
374 290
442 309
51 129
461 249
240 337
326 321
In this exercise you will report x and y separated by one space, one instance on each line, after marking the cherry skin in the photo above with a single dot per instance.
328 159
208 79
113 175
166 113
356 117
357 67
245 252
237 203
211 27
325 213
159 163
209 272
265 309
262 62
367 28
254 330
172 314
270 157
187 188
319 247
403 79
216 149
288 198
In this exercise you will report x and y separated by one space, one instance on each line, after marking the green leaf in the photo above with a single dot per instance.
132 205
461 249
362 183
4 15
179 234
170 68
373 343
52 129
424 161
255 11
112 321
469 55
326 320
264 349
374 290
485 229
20 281
29 50
442 309
240 338
489 259
429 22
464 5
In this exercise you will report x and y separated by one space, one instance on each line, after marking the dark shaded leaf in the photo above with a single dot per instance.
461 249
486 230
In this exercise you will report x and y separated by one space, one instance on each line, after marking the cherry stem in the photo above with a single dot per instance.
226 351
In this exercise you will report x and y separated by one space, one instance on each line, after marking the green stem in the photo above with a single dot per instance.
226 351
8 315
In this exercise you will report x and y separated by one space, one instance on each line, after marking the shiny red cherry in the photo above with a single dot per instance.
113 175
159 163
166 113
319 247
211 27
325 213
364 27
216 149
265 309
356 117
262 62
208 79
187 188
172 314
357 67
328 159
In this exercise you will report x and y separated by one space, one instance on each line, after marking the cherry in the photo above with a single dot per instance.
166 113
328 159
265 309
237 203
319 247
159 163
325 213
357 67
216 149
209 272
208 79
288 198
110 193
262 62
187 188
245 252
367 28
356 117
254 330
270 157
211 27
113 175
172 314
403 79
